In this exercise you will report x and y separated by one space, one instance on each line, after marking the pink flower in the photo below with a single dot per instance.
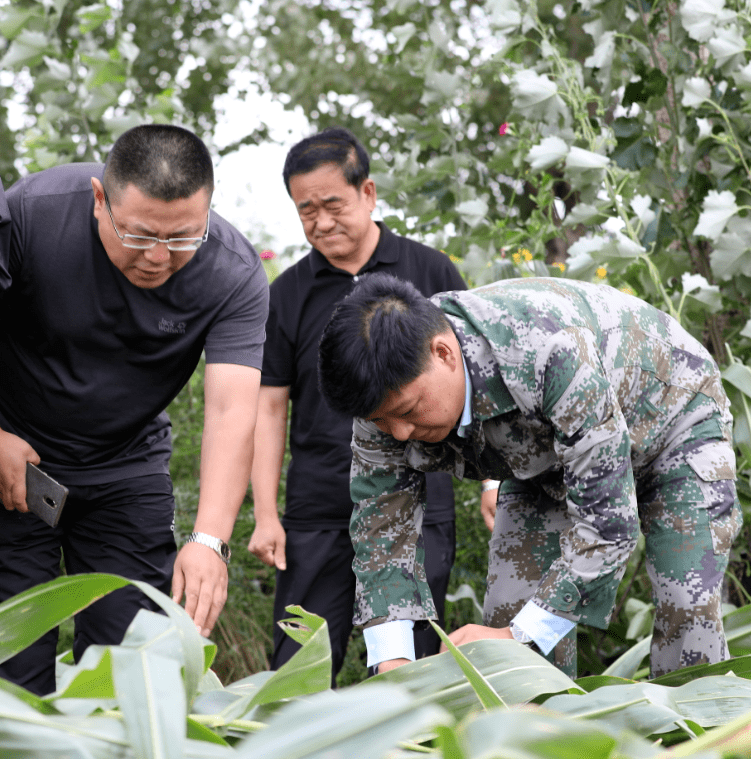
502 128
267 255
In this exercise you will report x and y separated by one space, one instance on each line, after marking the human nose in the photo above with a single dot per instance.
325 221
159 254
400 429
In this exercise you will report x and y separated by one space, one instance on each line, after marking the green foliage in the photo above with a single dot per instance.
83 73
156 696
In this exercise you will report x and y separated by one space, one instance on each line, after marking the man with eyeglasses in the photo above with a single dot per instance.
114 280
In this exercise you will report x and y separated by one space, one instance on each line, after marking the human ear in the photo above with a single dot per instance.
444 350
368 188
98 189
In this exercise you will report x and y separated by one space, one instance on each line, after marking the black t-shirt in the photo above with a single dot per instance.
88 360
302 301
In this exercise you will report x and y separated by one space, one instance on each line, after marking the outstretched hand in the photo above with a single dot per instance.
201 576
470 633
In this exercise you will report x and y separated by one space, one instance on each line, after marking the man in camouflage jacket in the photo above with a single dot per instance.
600 414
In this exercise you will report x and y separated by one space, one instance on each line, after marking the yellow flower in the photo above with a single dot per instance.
525 254
601 272
559 265
455 259
517 257
627 290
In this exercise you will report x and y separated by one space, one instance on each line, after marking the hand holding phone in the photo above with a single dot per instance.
44 496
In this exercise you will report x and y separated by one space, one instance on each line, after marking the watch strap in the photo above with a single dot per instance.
216 544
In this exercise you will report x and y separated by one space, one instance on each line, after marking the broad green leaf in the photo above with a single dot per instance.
92 17
642 207
443 83
645 708
58 70
90 678
739 376
29 733
593 682
627 664
602 57
354 722
27 49
505 15
403 34
308 671
39 704
191 642
548 153
727 44
696 91
484 690
700 18
584 213
579 159
152 699
702 292
539 735
27 616
14 18
536 96
718 208
712 701
473 212
516 673
146 671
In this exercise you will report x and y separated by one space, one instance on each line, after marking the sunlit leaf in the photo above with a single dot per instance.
484 690
27 49
516 673
695 92
727 43
361 722
548 153
718 208
27 616
700 18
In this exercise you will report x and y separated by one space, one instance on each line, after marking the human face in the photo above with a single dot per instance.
336 216
429 407
135 213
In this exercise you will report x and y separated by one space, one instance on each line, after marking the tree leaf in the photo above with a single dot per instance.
718 208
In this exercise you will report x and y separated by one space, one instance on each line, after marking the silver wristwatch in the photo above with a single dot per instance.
519 635
215 543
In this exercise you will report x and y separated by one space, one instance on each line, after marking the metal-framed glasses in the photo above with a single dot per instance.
175 244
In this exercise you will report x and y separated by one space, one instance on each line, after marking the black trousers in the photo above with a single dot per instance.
319 578
124 528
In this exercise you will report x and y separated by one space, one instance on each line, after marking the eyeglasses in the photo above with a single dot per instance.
175 244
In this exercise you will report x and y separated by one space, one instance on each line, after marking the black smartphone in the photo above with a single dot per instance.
44 496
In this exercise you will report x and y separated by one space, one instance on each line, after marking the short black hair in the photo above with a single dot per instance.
335 145
163 161
377 340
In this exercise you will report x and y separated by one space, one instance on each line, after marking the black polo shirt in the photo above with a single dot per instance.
302 301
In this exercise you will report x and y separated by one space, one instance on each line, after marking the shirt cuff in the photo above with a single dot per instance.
391 640
544 628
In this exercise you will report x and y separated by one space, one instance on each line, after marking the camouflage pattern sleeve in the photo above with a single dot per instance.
592 442
386 530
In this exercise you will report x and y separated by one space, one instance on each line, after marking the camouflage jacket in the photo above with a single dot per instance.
576 389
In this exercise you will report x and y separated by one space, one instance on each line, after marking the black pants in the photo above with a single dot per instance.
319 578
124 528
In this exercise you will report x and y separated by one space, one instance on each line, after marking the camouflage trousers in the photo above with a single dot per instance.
689 524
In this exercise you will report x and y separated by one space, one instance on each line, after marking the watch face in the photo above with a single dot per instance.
226 553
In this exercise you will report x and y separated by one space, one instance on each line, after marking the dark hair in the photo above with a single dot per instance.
377 340
164 162
333 145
